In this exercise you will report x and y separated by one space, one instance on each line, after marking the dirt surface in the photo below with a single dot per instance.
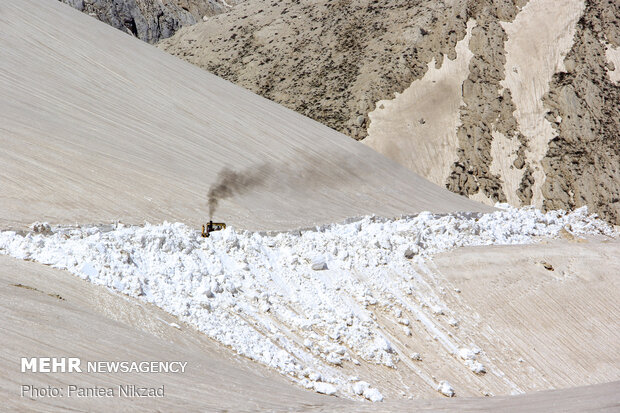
145 138
340 62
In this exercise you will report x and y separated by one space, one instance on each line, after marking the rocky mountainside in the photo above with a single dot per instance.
499 100
151 20
582 164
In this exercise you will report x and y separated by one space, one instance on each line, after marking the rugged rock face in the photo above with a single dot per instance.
484 109
150 20
583 162
546 136
330 60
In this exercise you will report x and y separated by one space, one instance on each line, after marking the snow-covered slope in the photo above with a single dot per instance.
97 126
43 307
328 307
48 311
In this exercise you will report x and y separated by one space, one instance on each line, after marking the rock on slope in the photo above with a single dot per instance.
150 20
535 120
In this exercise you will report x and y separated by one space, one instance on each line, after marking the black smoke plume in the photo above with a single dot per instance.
302 172
230 183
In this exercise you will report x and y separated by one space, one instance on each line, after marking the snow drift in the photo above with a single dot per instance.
303 302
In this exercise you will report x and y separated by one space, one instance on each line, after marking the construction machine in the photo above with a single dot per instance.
212 226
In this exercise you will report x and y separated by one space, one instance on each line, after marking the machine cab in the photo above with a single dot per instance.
212 226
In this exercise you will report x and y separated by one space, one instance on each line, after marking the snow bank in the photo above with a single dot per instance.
446 389
301 302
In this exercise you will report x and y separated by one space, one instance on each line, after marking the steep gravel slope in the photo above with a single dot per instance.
582 165
329 60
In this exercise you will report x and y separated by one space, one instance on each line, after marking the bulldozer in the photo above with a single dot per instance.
212 226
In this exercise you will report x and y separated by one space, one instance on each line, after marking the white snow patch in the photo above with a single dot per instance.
476 367
318 263
325 388
467 354
256 293
373 395
470 356
445 388
613 58
362 388
89 271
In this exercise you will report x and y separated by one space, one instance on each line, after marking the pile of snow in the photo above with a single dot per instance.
470 356
446 389
362 388
301 302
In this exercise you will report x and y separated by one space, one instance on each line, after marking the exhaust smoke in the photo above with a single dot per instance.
230 183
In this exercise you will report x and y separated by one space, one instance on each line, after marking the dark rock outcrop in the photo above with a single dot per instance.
149 20
582 165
